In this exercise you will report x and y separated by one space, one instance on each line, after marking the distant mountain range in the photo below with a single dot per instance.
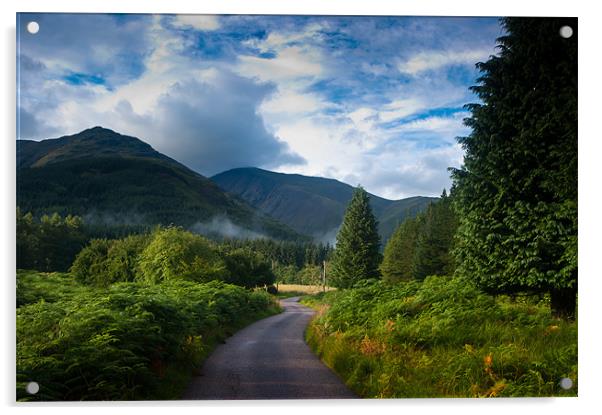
110 178
313 206
116 179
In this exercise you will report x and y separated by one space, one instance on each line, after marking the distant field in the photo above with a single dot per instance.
305 289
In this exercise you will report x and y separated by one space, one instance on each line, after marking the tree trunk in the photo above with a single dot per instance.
564 302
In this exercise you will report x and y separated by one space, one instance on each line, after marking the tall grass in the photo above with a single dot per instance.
442 338
128 341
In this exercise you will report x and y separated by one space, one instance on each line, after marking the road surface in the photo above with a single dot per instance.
268 360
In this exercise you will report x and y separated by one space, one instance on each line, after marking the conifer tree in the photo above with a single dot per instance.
434 242
356 256
516 194
399 254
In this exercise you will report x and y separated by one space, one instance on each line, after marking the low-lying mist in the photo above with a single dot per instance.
222 226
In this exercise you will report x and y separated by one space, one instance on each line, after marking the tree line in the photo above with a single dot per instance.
510 221
102 256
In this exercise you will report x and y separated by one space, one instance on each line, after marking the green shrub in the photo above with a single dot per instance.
247 268
177 254
33 286
90 265
129 341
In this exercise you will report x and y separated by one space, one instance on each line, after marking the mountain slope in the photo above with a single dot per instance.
312 205
109 177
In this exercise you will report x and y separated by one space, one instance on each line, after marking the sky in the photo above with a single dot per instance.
376 101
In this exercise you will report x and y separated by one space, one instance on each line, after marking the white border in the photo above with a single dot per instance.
589 187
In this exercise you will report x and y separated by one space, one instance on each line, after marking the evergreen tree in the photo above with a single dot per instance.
434 241
399 254
516 194
356 256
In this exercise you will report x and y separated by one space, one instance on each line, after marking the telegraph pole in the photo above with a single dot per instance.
323 276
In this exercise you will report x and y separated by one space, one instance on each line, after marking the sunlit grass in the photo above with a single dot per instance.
303 289
442 338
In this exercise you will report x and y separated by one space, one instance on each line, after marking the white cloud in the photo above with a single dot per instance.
198 21
290 64
437 124
291 102
401 108
430 60
382 160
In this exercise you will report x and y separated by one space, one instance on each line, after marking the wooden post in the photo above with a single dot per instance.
323 276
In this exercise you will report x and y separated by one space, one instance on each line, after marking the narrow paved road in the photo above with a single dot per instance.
268 360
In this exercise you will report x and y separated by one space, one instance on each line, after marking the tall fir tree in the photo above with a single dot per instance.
432 254
516 194
356 256
399 253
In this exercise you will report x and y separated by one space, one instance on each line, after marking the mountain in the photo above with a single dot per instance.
312 205
116 179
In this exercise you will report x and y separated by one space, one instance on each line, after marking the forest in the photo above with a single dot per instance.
476 296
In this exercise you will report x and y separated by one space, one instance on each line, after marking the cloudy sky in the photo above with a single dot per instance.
376 101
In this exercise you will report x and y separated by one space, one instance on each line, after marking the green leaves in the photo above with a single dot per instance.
114 343
177 254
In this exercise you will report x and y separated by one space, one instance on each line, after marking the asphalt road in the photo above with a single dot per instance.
268 360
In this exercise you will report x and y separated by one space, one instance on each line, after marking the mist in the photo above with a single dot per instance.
223 227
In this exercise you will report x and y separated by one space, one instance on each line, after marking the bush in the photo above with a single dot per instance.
90 265
247 268
177 254
130 341
103 262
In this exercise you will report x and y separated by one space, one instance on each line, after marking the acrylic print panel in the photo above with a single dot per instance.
291 207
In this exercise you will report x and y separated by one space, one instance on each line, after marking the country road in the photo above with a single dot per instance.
268 360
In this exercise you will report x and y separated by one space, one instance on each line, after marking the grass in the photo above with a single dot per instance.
442 338
298 289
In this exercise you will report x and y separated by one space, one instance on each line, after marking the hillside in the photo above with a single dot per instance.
312 205
116 179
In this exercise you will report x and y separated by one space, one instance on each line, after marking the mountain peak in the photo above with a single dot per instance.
92 142
98 129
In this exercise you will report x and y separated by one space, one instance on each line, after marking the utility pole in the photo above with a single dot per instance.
323 276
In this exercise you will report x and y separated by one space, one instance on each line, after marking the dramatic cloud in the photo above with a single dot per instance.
370 100
213 127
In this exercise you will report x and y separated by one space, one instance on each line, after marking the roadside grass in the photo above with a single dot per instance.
298 289
442 338
129 341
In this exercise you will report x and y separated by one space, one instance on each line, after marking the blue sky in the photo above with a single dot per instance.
376 101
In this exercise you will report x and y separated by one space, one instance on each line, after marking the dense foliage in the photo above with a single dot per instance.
103 262
130 341
442 337
247 268
177 254
357 255
167 254
295 253
517 191
421 246
50 243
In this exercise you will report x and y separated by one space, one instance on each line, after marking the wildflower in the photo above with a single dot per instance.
488 360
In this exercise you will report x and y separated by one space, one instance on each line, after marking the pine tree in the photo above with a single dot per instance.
356 256
516 194
399 254
434 242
